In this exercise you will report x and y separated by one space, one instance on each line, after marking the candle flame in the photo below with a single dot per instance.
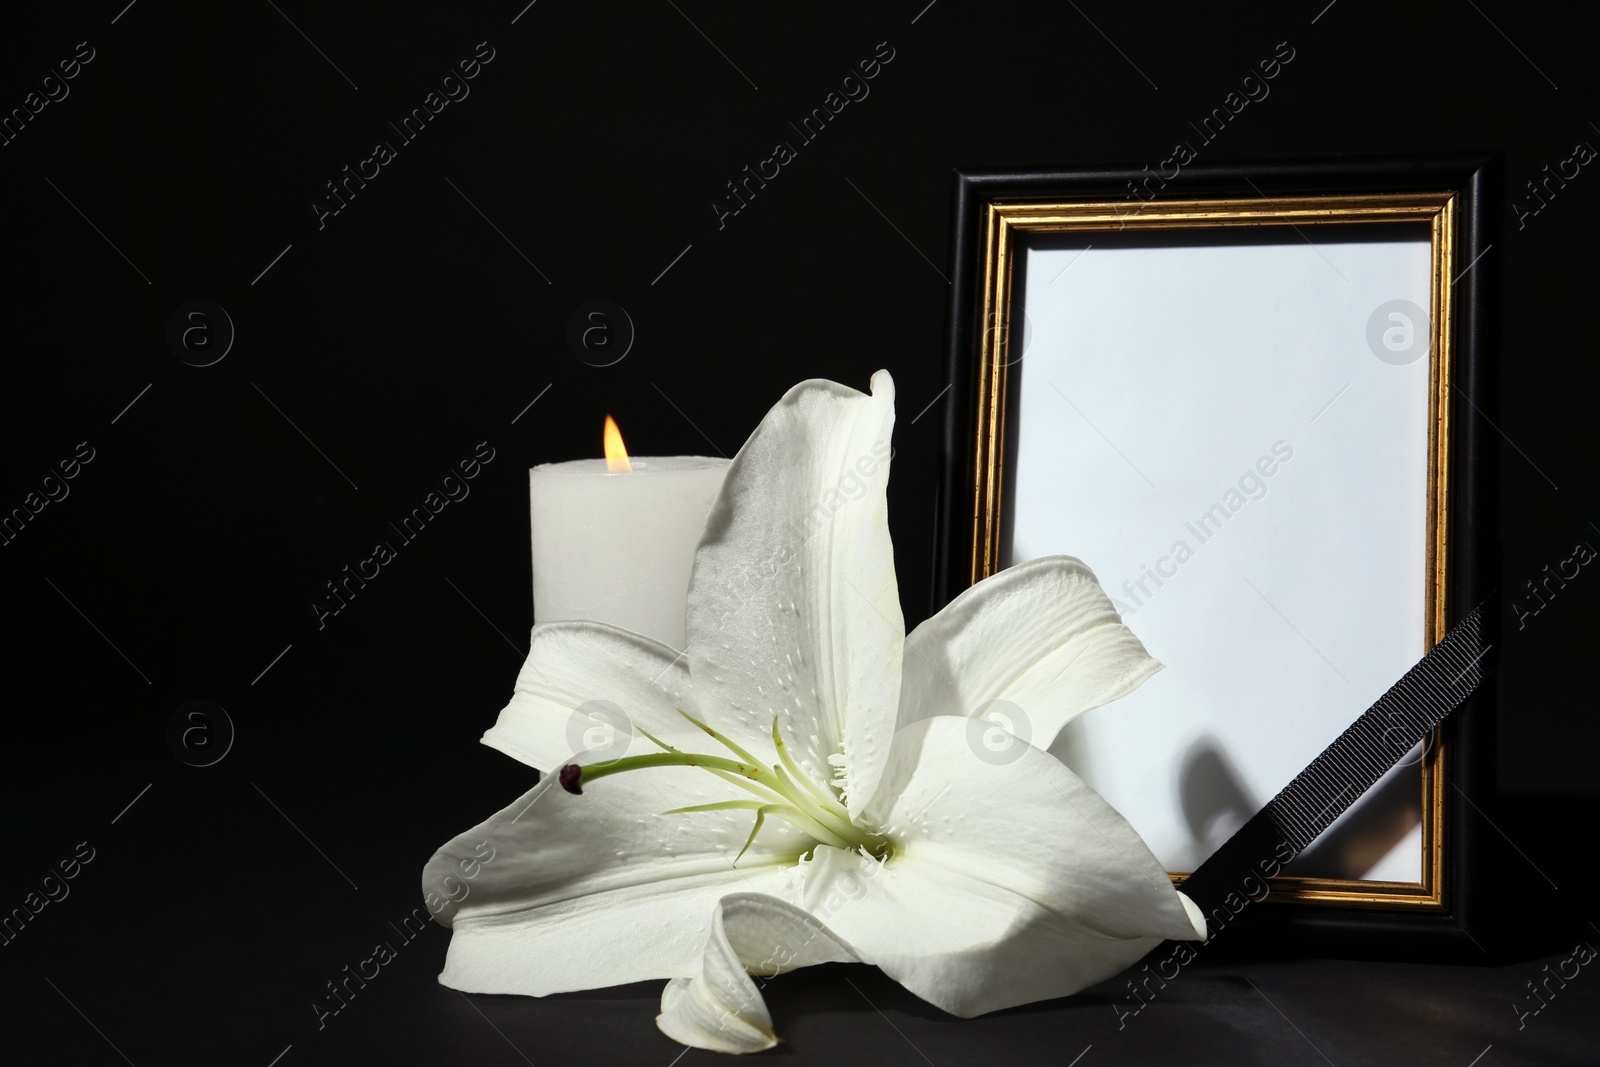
616 454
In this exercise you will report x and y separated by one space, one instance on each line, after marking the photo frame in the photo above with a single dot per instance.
1137 360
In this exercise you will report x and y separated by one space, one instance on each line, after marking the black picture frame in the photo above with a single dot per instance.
1457 931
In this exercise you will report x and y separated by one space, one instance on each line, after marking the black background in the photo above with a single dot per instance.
423 318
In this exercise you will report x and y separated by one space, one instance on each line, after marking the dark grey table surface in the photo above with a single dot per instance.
217 907
1302 1012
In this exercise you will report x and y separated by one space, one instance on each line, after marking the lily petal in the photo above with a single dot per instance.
589 685
793 607
579 892
722 1009
1014 882
1042 636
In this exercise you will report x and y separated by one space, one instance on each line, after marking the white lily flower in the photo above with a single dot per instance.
889 826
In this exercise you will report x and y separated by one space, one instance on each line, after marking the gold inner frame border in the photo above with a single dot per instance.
1003 220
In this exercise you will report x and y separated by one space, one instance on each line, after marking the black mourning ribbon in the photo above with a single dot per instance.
1346 769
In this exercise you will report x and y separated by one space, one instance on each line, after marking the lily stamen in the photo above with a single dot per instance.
785 792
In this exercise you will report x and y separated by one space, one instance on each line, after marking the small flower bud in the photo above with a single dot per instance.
570 776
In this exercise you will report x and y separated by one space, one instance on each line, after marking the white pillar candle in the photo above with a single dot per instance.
618 546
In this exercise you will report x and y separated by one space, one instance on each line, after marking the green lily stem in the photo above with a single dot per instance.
796 807
765 792
802 793
820 805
